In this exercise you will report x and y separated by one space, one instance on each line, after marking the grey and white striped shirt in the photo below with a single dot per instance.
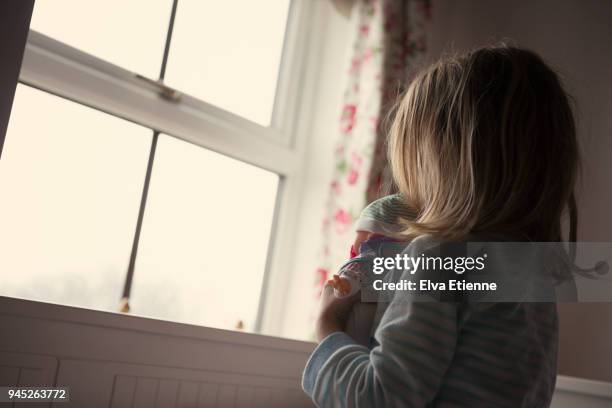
434 354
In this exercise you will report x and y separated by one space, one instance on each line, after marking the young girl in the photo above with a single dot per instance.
481 145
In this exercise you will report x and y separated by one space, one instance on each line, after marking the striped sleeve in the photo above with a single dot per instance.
416 346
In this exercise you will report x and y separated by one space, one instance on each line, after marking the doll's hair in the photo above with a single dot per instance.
485 142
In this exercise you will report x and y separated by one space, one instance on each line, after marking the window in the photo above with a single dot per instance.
225 56
113 191
106 29
71 179
204 237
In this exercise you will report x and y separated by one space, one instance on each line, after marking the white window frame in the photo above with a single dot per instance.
57 68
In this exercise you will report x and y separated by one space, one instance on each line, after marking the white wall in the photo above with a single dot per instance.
575 38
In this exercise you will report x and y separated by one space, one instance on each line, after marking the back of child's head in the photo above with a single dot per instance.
485 142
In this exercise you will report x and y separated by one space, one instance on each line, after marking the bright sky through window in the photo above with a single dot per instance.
71 179
107 29
204 238
228 53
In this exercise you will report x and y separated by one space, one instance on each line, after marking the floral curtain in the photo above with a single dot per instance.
389 44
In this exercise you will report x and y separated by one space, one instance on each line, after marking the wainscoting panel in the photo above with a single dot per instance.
117 361
26 369
581 393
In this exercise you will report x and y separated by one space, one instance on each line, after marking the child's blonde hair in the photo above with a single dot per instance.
485 142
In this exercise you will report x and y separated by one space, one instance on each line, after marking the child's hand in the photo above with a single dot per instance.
333 312
341 285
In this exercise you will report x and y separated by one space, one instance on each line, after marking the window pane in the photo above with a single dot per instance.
204 237
131 34
70 179
228 53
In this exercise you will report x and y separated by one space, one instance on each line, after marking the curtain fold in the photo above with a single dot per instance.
388 46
